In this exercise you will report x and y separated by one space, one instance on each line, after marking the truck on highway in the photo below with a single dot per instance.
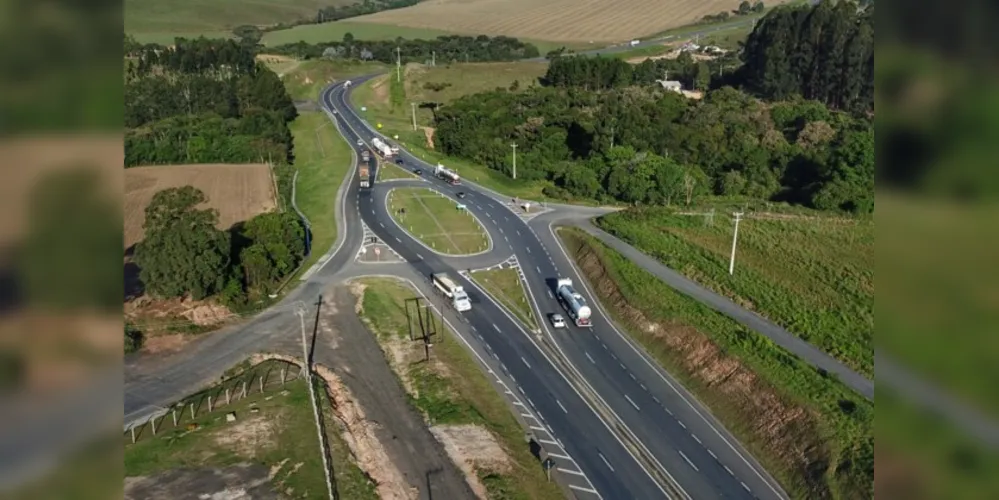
573 302
365 155
364 175
447 175
382 147
452 290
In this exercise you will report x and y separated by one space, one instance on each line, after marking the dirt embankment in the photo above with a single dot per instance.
782 435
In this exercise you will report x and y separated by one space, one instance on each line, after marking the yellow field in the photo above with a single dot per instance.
555 20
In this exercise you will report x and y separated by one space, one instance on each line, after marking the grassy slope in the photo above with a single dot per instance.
464 79
149 20
813 276
388 171
294 439
827 449
308 78
435 220
463 396
505 287
322 159
329 32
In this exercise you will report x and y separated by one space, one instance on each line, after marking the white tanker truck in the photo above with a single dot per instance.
447 175
573 302
382 147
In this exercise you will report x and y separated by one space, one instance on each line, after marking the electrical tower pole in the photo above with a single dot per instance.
735 237
315 407
398 65
433 58
514 146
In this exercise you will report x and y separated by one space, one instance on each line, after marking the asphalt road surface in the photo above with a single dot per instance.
682 444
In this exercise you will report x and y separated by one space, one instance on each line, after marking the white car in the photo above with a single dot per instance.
360 142
558 321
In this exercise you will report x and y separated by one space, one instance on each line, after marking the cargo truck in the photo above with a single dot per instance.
364 175
447 175
365 155
452 290
573 302
382 147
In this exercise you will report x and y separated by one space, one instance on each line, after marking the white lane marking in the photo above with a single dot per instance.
528 249
632 375
622 367
518 232
531 403
497 328
507 239
609 466
539 429
691 464
605 345
697 439
521 389
584 489
567 471
589 357
681 423
419 256
525 362
516 403
712 454
501 230
643 387
548 441
380 224
527 415
632 402
538 269
559 455
562 407
745 487
550 294
728 470
397 239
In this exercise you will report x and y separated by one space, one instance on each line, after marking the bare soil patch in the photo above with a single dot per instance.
247 437
238 192
787 432
236 482
473 449
160 315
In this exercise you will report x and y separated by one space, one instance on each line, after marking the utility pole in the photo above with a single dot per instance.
398 65
413 105
735 237
315 408
433 58
514 146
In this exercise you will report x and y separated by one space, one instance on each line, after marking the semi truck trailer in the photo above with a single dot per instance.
573 302
452 290
364 175
382 147
447 175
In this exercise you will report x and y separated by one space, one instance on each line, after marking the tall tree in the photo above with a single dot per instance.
182 253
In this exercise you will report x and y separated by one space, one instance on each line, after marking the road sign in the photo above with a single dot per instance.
378 251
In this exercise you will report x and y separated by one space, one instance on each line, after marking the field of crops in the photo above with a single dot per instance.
556 20
812 275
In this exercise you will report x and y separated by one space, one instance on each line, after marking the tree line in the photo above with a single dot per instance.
644 145
823 52
451 48
184 254
203 101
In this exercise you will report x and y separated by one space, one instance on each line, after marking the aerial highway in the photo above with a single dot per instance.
662 430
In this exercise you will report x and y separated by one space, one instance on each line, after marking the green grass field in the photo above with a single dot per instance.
457 80
435 220
283 431
161 21
330 32
388 171
322 158
504 285
305 79
453 390
811 432
812 275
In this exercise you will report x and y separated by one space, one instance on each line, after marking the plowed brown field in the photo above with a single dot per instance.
238 192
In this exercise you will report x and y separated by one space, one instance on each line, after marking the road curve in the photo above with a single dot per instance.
678 433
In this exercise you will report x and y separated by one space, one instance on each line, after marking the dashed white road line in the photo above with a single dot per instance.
691 464
562 407
525 362
745 487
550 294
697 439
681 423
497 328
518 232
419 256
609 466
632 402
507 239
589 357
397 239
712 454
380 224
538 269
527 248
623 367
728 470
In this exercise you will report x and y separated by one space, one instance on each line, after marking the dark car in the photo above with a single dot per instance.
398 161
460 194
418 172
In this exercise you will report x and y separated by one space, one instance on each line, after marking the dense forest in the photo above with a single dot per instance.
600 73
203 101
823 52
333 13
453 48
